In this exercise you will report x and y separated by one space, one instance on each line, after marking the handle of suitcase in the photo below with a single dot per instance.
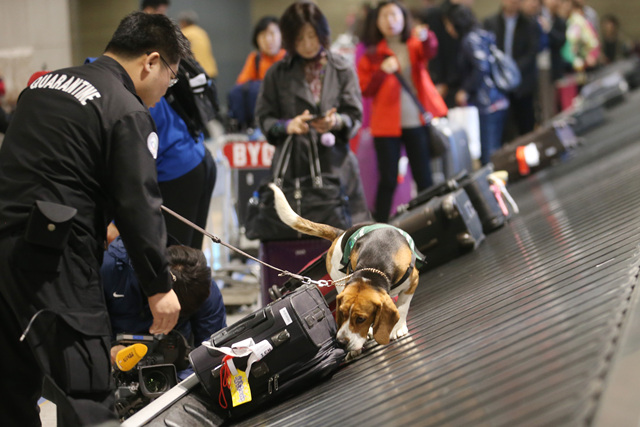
434 191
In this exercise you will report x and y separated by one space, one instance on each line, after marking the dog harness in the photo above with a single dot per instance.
417 258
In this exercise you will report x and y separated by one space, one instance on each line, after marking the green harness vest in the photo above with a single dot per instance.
417 258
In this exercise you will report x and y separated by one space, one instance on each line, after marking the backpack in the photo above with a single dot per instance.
242 102
504 70
194 97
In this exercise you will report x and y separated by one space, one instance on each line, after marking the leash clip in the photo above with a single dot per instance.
319 283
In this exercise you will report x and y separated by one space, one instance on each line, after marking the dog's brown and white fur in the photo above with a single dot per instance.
379 259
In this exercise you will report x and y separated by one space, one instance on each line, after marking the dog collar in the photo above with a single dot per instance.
373 270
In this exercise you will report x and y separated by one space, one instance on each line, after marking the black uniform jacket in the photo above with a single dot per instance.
82 138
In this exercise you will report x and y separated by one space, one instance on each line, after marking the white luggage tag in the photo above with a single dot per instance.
246 347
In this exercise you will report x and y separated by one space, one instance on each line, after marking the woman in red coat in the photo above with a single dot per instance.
395 117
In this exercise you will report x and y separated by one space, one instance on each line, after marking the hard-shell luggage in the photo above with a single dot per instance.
484 200
457 157
566 91
585 117
629 68
443 228
279 348
607 91
536 150
290 255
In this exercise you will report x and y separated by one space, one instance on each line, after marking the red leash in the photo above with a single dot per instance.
224 381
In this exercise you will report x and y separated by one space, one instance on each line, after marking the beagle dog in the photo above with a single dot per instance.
369 264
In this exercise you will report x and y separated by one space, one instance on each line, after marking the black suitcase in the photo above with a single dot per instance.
629 68
585 117
478 188
300 330
443 228
429 193
534 151
608 91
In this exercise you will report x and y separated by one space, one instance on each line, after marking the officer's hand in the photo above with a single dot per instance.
114 352
165 309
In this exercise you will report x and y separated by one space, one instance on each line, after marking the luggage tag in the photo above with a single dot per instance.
498 186
236 381
527 156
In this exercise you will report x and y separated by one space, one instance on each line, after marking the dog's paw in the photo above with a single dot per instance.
352 355
399 332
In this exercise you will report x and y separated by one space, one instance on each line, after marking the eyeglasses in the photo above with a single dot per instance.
173 80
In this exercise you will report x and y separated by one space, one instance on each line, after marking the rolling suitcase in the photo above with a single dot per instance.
607 91
443 228
429 193
534 151
457 157
566 91
478 188
268 354
585 117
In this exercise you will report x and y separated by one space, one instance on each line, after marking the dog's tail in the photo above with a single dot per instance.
295 221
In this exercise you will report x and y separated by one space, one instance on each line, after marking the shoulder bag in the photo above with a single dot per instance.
317 197
437 142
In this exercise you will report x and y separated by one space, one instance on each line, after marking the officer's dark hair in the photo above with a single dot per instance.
375 36
193 278
139 33
262 25
154 3
294 18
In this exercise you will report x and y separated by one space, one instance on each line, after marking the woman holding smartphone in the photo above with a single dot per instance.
313 94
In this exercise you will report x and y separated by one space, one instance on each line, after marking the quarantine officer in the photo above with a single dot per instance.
78 154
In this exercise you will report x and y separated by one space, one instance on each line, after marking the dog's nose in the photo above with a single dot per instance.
343 341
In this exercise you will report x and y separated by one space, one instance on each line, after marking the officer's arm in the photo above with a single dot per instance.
136 200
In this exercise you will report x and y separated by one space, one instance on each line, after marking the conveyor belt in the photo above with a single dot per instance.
523 330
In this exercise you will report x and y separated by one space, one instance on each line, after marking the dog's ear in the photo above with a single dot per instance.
386 318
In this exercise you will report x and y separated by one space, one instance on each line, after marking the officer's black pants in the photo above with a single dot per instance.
22 383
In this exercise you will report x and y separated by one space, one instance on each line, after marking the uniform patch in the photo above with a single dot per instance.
152 144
